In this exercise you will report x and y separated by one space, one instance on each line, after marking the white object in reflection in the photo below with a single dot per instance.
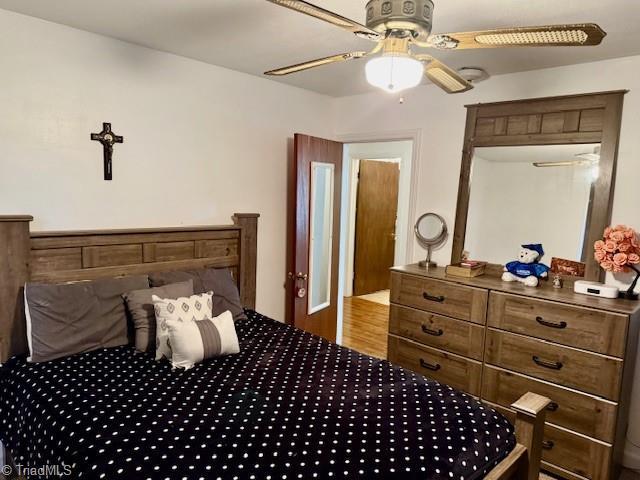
394 73
321 241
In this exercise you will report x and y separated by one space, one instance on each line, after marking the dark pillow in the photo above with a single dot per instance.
216 280
77 317
140 307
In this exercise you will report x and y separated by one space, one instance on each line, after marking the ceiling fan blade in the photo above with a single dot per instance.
446 78
316 63
330 17
576 35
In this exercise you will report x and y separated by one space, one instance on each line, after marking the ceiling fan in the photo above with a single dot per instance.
397 26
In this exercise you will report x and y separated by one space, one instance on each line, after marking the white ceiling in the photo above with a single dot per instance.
253 36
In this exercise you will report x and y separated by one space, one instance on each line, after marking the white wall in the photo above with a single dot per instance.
201 142
441 119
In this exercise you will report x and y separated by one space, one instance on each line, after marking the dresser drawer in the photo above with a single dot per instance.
585 371
576 453
553 471
456 371
576 411
593 330
456 336
570 452
444 298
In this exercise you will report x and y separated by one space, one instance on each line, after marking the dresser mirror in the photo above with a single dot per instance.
543 194
538 171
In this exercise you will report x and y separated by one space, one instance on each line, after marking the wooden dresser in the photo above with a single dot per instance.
498 340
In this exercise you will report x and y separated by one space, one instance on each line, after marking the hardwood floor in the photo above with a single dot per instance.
378 297
365 326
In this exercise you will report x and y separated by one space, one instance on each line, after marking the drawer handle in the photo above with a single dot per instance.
430 366
547 364
435 333
433 298
546 323
552 407
548 444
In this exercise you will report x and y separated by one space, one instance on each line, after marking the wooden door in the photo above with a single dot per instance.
314 235
376 212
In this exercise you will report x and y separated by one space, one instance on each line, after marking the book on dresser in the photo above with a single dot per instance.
467 270
498 340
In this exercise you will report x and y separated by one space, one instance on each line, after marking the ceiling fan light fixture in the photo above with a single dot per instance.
399 26
394 73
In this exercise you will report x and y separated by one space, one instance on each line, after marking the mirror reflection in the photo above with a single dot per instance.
321 239
430 227
530 194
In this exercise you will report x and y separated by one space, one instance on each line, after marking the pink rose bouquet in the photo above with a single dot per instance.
619 251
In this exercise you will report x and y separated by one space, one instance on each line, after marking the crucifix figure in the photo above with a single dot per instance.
107 138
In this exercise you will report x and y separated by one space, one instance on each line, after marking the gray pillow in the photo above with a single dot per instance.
140 308
216 280
77 317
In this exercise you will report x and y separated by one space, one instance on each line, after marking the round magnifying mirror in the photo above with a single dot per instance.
431 231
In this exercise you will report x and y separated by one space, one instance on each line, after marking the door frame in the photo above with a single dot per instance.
414 136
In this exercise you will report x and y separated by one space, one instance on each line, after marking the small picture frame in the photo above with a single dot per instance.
570 268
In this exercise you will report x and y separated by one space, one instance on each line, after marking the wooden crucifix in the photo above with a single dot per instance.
107 138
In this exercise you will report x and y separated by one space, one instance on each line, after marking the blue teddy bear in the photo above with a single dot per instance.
527 269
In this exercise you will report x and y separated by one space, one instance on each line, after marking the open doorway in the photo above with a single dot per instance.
375 215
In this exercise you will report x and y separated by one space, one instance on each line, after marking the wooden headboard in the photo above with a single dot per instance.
54 257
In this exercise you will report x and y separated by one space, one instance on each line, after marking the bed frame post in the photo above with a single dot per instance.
248 257
15 249
530 415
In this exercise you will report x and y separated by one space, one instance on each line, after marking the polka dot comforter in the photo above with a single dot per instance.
289 406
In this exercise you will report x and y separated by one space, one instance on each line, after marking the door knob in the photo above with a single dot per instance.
299 275
299 283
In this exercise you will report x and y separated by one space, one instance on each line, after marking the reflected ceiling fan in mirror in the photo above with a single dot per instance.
586 159
398 26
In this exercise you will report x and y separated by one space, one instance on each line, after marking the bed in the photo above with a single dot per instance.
290 405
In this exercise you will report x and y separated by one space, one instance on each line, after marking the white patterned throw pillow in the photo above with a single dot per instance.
193 342
185 309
